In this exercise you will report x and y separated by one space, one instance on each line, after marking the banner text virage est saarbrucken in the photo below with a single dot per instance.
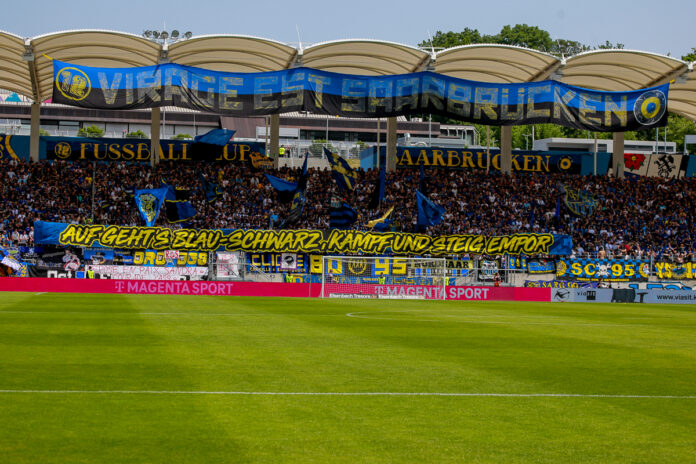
346 95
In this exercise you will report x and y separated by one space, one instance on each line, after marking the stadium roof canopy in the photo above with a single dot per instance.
25 66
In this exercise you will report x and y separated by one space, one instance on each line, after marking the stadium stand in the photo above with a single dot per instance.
635 217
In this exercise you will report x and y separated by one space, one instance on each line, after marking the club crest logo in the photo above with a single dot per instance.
357 266
62 150
73 84
650 107
147 206
565 163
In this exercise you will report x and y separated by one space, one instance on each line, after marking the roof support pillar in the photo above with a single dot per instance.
274 146
506 149
617 156
155 137
391 144
35 131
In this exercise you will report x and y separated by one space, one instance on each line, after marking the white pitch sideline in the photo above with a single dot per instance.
455 394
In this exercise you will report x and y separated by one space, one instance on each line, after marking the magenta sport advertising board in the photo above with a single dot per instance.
301 290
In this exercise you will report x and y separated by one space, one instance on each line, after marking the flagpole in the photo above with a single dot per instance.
488 149
595 153
379 120
265 122
94 184
379 155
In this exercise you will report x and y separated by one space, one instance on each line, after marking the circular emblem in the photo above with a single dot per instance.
357 266
73 83
561 268
644 270
62 150
565 163
650 107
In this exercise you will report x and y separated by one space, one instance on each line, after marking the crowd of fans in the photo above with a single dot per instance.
635 217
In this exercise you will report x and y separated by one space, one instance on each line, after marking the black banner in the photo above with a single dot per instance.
297 241
109 149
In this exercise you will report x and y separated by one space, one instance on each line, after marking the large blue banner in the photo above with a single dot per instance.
306 89
297 241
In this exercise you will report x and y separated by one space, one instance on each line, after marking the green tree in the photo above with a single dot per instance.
94 132
138 134
43 132
690 56
452 39
523 35
677 127
522 135
182 137
608 45
566 48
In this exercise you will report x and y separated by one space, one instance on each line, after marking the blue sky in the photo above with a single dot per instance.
665 27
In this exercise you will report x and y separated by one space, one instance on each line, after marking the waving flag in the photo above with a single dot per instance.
382 223
178 207
342 215
209 146
579 202
149 203
298 202
343 174
211 190
285 189
219 137
429 213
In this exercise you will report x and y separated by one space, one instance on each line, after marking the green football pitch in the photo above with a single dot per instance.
166 379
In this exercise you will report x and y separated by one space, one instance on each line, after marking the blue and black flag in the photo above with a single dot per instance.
579 202
341 215
177 203
211 190
429 213
343 174
211 145
149 202
219 137
285 189
296 208
302 182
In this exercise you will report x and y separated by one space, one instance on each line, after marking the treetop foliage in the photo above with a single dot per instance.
523 35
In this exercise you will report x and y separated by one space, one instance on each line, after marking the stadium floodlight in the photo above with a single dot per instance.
164 37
